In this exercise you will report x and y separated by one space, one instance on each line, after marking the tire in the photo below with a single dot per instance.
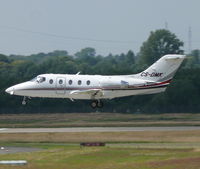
23 102
99 104
93 104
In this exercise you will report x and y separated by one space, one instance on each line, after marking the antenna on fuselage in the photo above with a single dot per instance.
78 73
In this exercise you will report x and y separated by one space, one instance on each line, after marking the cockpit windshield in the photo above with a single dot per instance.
34 79
38 79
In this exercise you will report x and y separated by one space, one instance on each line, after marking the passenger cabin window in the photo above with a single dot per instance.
60 81
70 82
79 82
88 82
51 81
40 79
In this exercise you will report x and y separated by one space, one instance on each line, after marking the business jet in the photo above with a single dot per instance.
154 79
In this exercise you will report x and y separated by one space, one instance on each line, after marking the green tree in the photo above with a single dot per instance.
86 53
193 59
3 58
159 43
130 56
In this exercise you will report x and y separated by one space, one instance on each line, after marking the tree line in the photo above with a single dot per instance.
181 96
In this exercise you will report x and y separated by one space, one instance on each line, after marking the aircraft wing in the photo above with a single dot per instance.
92 92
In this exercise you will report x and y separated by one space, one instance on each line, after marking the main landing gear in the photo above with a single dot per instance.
96 104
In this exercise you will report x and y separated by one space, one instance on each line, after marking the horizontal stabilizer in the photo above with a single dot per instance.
175 57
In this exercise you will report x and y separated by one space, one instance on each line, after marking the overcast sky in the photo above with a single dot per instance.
110 26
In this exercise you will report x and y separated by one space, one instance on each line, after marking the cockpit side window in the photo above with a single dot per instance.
40 79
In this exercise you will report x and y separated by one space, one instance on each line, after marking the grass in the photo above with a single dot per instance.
113 156
131 150
77 137
97 119
124 150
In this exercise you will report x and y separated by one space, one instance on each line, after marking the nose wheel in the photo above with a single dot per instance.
96 104
23 102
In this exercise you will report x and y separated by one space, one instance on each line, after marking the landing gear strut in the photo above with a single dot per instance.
96 104
24 100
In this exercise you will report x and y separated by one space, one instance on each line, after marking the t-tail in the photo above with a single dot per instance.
163 70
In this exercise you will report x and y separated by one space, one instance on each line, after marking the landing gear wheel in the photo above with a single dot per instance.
93 104
99 104
23 102
96 104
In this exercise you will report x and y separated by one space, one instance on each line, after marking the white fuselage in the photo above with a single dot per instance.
59 86
153 80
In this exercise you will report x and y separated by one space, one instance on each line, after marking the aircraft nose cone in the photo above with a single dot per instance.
10 90
7 90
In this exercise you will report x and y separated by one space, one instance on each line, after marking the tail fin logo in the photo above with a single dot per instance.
153 74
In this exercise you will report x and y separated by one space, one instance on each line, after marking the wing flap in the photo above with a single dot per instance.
92 92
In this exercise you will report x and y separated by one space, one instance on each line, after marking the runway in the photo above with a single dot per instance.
97 129
10 150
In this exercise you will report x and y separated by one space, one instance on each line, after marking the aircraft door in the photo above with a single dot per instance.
124 84
60 85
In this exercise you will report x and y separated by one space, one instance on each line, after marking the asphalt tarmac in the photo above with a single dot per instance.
96 129
10 150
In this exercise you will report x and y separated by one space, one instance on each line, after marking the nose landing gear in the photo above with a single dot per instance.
96 104
24 100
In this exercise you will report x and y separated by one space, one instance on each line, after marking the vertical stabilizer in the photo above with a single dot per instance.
162 70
